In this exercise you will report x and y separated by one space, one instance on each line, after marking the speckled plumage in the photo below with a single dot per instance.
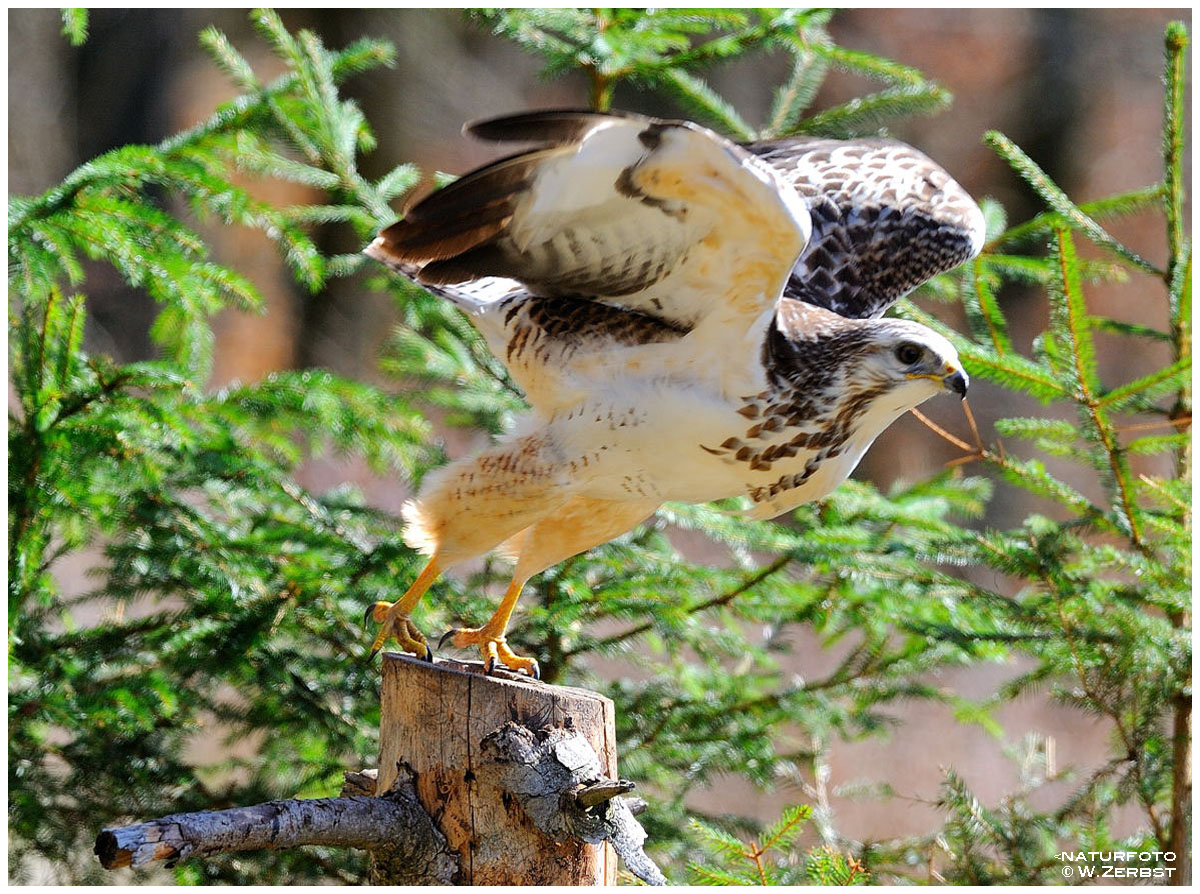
690 320
885 219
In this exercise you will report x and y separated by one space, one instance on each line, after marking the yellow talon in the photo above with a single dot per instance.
494 649
395 620
401 627
490 637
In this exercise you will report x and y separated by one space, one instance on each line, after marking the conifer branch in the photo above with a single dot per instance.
75 25
1058 201
1073 315
1041 225
721 599
1179 276
1177 40
792 98
865 114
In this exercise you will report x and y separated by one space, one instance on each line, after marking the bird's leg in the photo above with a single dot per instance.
490 637
394 616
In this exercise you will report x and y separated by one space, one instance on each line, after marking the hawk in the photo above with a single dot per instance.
690 319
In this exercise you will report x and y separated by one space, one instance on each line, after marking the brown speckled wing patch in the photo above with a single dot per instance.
885 218
557 327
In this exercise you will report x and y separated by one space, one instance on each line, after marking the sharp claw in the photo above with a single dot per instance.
489 666
537 671
397 626
446 636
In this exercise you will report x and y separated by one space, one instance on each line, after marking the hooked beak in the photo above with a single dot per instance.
957 382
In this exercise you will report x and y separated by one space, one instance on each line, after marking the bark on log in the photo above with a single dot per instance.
436 717
555 776
394 828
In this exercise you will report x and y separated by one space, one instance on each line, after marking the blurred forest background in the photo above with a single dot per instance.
1079 90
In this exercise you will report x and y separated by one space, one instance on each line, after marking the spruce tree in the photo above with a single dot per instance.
231 596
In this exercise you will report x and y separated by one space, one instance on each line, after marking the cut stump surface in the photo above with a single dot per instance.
434 717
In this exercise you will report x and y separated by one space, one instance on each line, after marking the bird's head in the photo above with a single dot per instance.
886 365
908 362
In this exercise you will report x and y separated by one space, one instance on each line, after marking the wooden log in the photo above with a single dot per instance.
434 719
394 828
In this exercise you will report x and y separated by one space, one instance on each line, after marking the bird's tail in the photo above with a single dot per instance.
478 502
419 529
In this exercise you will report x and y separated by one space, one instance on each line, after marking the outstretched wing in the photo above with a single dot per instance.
885 218
664 219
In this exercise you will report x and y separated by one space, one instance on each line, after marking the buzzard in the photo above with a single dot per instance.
691 319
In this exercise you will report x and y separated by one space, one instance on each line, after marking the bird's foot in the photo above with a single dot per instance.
494 648
399 626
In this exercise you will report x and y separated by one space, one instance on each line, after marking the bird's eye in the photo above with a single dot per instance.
908 353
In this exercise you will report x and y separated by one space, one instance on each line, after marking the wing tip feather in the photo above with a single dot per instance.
548 127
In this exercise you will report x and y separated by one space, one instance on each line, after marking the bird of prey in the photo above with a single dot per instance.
690 319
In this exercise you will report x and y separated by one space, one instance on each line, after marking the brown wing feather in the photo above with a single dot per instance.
555 127
885 219
462 231
662 218
463 215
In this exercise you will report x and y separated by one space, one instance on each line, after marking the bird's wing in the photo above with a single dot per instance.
662 219
885 218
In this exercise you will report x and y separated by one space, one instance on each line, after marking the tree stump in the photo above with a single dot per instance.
434 719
